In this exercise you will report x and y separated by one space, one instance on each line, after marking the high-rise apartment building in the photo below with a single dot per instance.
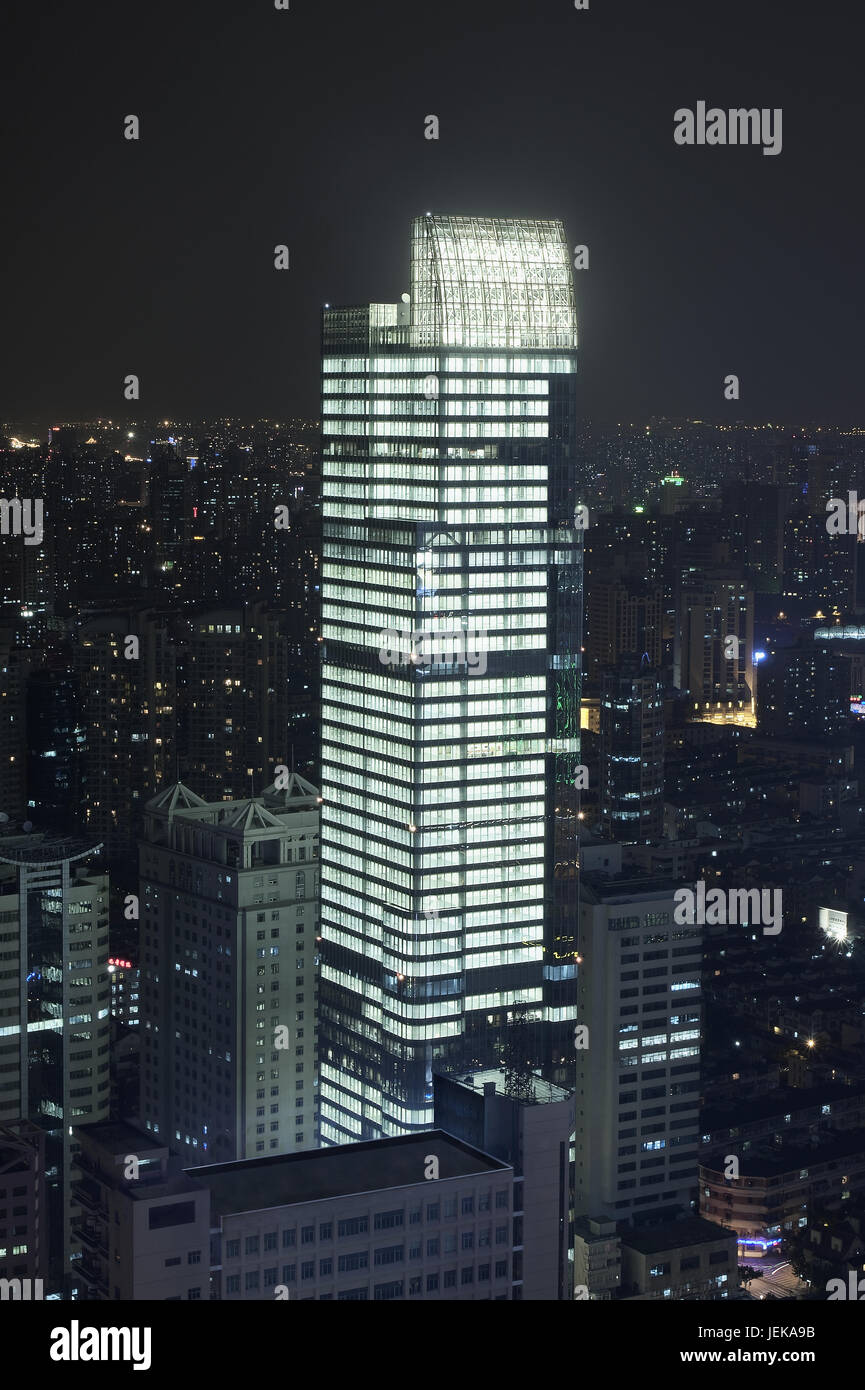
125 666
27 553
451 597
760 511
125 981
228 902
805 692
232 721
55 746
54 1019
714 647
821 567
13 726
638 1057
203 695
623 615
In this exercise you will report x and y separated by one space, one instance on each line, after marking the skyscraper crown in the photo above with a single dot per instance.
491 282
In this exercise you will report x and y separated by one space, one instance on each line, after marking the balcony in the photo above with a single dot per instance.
82 1161
89 1194
93 1275
91 1235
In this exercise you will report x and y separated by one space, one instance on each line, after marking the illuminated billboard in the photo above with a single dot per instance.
833 923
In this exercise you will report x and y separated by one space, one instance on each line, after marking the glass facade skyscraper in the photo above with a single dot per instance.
631 751
451 620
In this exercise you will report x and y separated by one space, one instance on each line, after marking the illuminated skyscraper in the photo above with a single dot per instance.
451 591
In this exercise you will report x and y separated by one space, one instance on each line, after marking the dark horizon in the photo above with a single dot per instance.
30 428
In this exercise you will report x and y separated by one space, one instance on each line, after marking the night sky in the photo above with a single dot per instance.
306 127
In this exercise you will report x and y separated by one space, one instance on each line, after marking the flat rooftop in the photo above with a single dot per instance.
256 1184
791 1158
543 1092
673 1235
625 887
787 1100
118 1137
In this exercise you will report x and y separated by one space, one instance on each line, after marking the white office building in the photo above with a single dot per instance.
451 617
638 1063
228 901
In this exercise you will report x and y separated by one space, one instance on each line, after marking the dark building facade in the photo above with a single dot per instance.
631 752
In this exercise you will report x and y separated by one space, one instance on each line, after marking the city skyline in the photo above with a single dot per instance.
432 665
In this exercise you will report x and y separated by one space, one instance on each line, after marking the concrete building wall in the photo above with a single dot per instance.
597 1259
532 1133
443 1240
144 1229
229 895
759 1202
171 1241
637 1095
23 1214
545 1192
686 1267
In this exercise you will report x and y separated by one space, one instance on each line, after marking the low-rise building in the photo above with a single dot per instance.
781 1113
774 1188
144 1230
597 1258
421 1216
689 1259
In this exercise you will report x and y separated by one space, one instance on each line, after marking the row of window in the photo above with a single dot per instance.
359 1225
404 362
444 385
254 1280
